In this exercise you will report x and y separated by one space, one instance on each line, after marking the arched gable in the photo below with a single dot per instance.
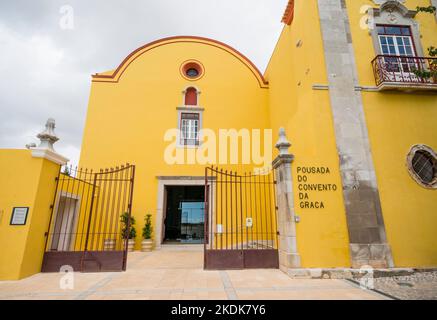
116 75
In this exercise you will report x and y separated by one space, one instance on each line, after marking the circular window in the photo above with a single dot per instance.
192 70
192 73
422 165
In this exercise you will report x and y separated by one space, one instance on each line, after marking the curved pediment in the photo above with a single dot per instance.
115 75
392 6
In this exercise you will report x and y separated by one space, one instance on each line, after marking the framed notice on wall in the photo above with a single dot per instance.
19 216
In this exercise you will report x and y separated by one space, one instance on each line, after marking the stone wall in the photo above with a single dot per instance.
368 243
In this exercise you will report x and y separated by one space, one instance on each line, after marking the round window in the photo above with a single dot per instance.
422 165
192 70
192 73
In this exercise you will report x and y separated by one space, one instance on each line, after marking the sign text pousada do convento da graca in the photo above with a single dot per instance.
309 186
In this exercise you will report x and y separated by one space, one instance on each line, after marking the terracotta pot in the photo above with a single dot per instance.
147 245
109 245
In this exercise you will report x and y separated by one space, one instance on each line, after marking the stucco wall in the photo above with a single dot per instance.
127 120
396 121
25 182
296 66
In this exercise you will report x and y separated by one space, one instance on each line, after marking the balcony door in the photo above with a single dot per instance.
398 42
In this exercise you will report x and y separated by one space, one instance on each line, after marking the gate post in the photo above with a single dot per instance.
288 254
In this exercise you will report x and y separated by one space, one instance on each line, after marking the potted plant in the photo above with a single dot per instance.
147 243
128 235
109 244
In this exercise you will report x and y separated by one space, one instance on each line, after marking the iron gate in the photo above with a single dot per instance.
90 220
240 220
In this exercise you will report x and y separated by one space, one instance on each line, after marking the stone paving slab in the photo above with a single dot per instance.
177 274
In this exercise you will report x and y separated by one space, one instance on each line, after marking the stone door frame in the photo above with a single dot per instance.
167 181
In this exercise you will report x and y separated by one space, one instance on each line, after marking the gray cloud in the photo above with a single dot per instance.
46 70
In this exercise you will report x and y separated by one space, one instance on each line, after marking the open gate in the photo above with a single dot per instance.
91 216
240 220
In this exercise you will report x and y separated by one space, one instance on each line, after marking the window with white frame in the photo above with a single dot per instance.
189 129
397 41
394 30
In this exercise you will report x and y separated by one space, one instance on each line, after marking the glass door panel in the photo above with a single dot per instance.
192 221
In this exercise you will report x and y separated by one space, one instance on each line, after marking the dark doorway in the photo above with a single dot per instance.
184 221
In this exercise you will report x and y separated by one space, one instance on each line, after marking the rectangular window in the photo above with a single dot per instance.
189 130
397 41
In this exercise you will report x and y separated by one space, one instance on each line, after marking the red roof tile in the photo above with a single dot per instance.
289 13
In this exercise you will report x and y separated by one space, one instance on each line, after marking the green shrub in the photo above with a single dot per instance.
132 233
148 229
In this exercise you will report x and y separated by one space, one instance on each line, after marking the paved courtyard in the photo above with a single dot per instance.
176 273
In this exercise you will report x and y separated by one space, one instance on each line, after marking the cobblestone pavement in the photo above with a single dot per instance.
419 286
177 274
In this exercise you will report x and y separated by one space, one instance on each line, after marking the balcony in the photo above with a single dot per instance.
405 73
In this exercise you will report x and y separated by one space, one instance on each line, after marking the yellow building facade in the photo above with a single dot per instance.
28 186
331 68
346 81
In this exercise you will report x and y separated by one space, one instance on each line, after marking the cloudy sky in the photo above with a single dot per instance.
46 65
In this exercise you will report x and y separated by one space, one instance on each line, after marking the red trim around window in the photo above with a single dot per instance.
401 35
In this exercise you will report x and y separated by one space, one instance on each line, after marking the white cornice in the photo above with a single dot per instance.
190 108
49 155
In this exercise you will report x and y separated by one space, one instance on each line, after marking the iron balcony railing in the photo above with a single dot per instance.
403 70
